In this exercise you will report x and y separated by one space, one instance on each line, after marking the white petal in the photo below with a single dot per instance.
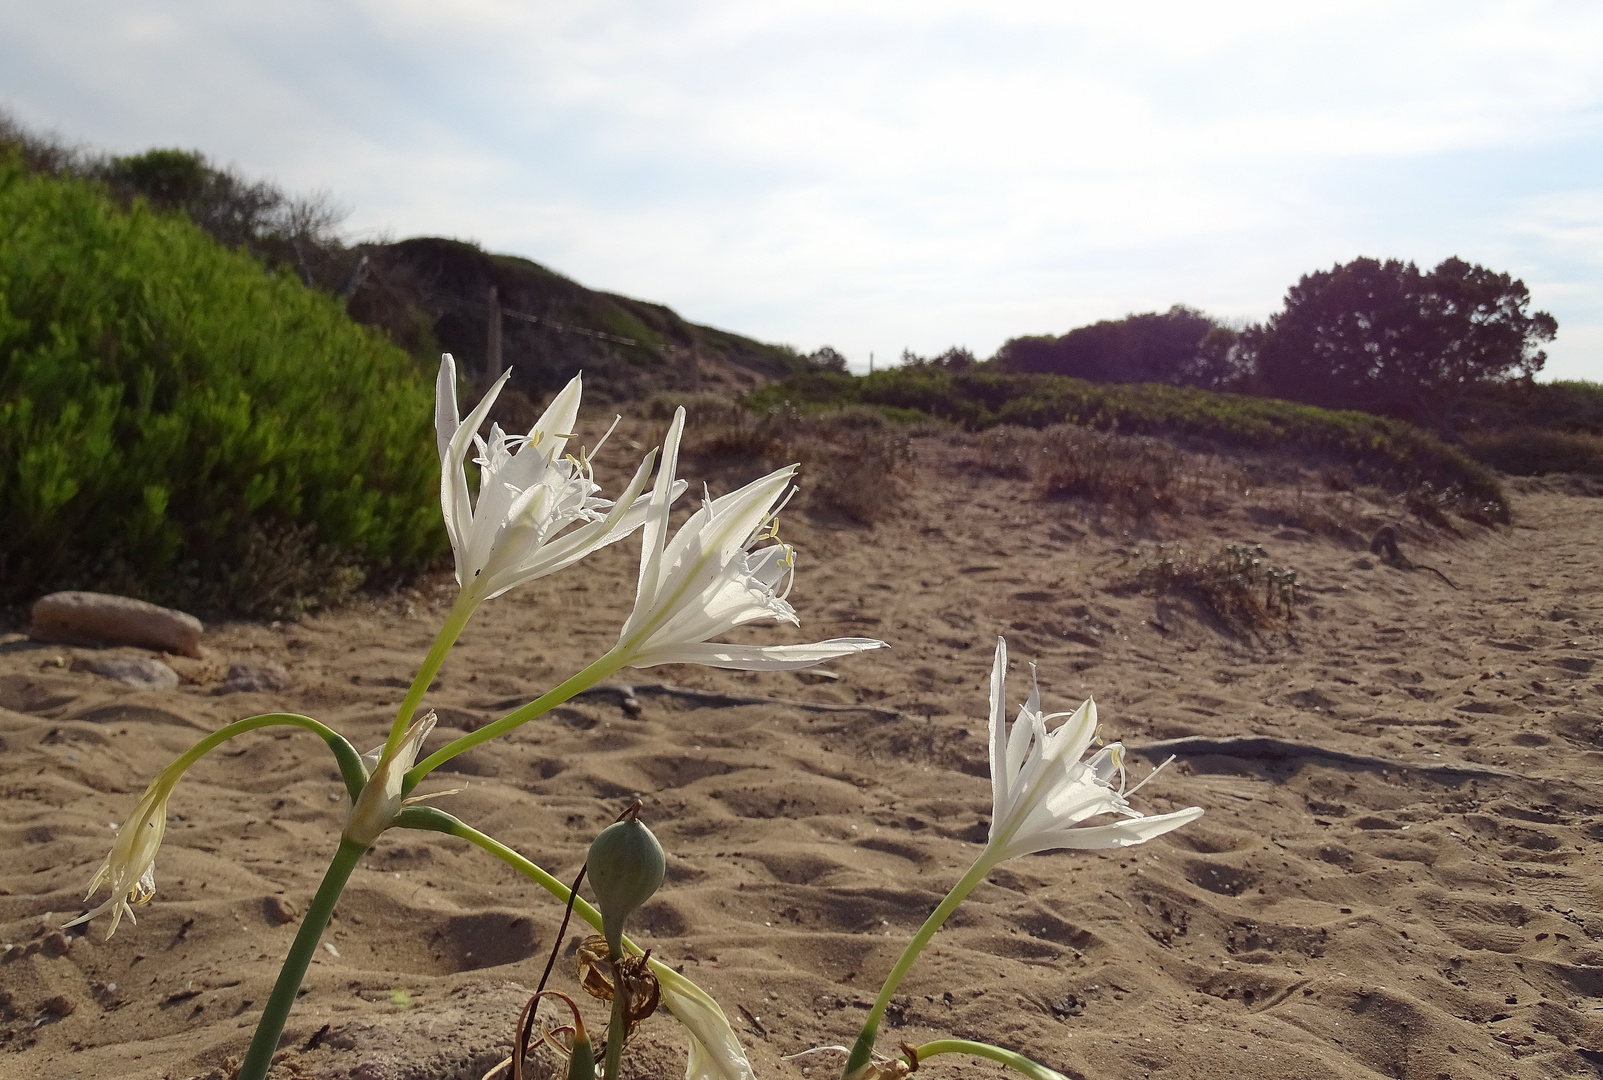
715 1051
654 531
757 657
1001 778
1118 834
557 421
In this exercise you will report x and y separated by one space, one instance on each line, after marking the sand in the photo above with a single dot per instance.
1329 916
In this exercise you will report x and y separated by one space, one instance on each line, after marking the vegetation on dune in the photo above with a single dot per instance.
1377 449
178 423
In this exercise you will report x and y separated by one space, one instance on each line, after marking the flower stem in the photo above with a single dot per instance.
458 617
585 679
259 1058
618 1027
350 762
863 1049
1033 1069
436 820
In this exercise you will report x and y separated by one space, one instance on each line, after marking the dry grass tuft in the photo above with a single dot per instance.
1135 474
1236 583
855 462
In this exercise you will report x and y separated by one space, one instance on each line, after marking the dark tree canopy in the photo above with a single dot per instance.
1181 346
1385 337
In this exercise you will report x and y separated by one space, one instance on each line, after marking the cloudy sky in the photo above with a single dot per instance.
882 175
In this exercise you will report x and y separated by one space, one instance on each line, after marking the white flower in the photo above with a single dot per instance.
709 579
715 1052
130 866
383 796
1042 793
528 493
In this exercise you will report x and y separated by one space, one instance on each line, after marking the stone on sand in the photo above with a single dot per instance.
255 678
86 618
144 672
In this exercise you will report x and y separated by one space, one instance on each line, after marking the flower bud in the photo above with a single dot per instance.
582 1058
625 867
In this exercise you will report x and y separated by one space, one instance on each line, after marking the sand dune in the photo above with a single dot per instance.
1326 918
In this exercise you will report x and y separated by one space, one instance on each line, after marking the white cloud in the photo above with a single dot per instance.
883 174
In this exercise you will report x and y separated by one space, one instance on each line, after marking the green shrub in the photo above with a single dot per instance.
171 413
1378 449
1537 451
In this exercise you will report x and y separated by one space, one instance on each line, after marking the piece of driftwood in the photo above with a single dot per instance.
628 696
1265 748
1384 544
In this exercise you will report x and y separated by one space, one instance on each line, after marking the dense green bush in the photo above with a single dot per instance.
173 418
1536 451
1377 449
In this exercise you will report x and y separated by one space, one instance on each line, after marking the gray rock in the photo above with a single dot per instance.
143 672
266 677
86 618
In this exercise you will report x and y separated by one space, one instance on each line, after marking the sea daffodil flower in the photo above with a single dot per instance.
1041 796
528 493
715 1052
130 867
710 578
1042 793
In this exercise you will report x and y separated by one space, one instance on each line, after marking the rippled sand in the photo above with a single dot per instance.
1329 917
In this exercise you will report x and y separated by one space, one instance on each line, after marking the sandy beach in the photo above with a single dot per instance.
1399 877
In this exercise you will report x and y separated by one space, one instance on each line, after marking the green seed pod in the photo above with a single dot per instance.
625 867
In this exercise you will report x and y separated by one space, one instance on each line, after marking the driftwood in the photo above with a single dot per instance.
1384 544
1264 748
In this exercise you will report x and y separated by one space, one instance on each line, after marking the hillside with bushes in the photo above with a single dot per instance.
181 424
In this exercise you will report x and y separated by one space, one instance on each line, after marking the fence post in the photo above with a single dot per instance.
492 350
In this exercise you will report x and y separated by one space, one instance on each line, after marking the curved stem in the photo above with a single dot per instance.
458 617
259 1058
436 820
585 679
863 1049
1033 1069
352 770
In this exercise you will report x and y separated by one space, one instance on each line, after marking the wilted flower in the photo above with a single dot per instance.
528 493
715 1052
710 578
1042 792
130 866
383 795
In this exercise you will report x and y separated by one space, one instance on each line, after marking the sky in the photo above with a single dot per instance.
881 176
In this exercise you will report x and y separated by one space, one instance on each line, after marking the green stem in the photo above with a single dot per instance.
1033 1069
259 1058
585 679
350 762
619 1025
437 820
458 617
862 1050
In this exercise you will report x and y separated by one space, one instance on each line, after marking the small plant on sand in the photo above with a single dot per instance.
1236 583
536 513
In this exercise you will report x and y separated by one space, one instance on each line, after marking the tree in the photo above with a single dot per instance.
1181 346
1386 338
